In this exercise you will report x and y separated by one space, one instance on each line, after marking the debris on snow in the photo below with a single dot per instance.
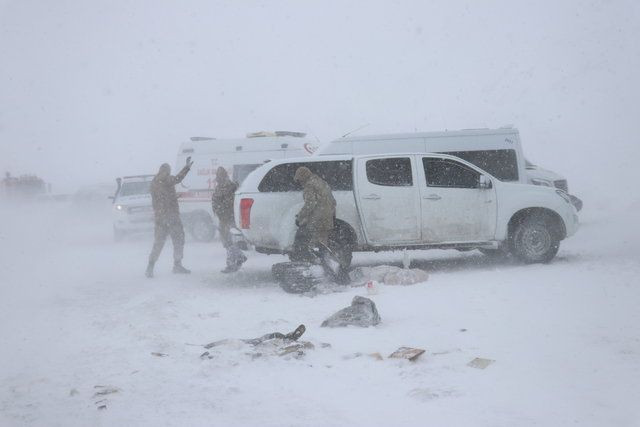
155 353
272 344
480 363
389 275
362 312
103 390
408 353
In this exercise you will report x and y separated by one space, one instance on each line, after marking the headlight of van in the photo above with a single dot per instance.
564 195
543 182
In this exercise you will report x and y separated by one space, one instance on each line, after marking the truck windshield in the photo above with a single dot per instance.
135 188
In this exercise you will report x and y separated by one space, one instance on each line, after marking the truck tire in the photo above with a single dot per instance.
297 277
201 228
534 239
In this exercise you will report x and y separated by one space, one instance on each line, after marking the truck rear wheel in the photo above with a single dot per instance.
535 239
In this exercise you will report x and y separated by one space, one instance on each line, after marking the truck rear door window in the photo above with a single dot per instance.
393 172
503 164
336 173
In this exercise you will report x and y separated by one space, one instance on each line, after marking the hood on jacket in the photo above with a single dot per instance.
302 174
164 171
222 175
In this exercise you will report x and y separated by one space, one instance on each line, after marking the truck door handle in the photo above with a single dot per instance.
432 197
371 196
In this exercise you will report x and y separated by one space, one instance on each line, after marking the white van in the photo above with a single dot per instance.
239 156
132 210
497 151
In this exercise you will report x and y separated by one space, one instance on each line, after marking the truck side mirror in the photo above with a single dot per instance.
484 183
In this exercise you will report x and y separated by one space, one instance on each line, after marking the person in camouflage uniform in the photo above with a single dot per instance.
167 216
316 218
222 204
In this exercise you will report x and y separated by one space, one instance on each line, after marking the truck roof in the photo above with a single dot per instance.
440 134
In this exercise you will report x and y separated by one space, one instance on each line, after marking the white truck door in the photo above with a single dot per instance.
454 206
388 199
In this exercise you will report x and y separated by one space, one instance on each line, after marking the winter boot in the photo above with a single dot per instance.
178 268
231 268
149 272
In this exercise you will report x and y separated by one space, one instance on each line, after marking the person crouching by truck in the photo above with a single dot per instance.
222 204
316 218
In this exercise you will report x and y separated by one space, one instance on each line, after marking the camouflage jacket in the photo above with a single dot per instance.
222 201
163 194
319 205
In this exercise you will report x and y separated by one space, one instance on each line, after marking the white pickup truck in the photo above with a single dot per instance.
413 201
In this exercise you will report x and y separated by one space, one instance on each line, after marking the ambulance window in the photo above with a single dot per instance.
240 172
503 164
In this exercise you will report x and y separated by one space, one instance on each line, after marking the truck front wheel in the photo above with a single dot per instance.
534 239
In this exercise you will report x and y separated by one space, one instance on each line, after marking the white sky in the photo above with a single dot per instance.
90 90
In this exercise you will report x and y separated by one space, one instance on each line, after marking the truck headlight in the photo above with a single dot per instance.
564 195
119 207
543 182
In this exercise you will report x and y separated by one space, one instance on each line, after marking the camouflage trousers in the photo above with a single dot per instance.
234 253
308 239
168 227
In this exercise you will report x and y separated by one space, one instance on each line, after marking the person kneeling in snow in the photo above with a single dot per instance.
222 204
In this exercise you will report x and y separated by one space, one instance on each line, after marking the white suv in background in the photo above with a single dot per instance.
412 201
132 210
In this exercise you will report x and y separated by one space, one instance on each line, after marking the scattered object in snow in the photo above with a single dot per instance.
463 330
275 343
426 394
155 353
297 277
362 312
291 336
103 390
372 287
407 353
73 392
480 363
389 275
376 356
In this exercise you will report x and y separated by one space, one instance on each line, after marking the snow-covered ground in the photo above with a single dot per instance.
76 312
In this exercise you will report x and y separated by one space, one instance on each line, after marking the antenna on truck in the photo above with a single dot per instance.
356 130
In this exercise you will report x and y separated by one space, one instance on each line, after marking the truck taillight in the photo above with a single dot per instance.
245 213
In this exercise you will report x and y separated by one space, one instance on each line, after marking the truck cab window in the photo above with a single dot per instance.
336 173
449 173
393 172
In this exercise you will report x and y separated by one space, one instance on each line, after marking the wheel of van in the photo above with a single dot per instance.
534 240
202 229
